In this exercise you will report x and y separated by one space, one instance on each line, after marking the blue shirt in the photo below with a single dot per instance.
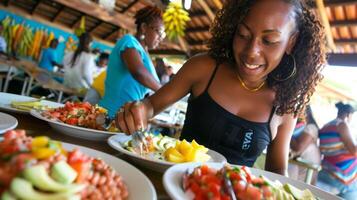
120 85
48 56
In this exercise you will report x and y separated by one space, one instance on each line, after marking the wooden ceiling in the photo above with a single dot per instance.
341 15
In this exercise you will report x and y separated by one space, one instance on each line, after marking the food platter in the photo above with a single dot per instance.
7 98
172 180
132 177
117 142
76 131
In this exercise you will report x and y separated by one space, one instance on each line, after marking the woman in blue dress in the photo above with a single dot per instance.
131 73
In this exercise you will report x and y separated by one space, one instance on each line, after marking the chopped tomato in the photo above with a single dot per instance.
72 121
82 169
77 156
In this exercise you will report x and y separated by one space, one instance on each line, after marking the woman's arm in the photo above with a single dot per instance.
136 115
347 138
87 69
132 60
278 149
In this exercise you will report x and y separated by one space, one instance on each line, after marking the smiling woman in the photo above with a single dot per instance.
264 61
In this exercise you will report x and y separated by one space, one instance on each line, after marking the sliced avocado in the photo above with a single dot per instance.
24 190
164 140
155 142
63 173
297 193
39 177
7 196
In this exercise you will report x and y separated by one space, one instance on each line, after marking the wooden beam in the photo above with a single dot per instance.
198 13
218 4
196 42
322 11
346 41
33 10
197 29
342 59
207 9
331 3
131 4
76 22
115 31
58 13
340 23
6 2
92 9
96 25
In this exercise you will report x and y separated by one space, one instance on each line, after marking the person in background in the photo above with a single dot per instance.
339 150
167 76
3 44
305 145
49 58
101 64
160 67
79 65
262 67
131 73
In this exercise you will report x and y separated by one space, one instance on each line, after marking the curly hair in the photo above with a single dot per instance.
293 94
147 15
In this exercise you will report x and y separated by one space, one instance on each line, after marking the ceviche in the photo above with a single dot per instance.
82 114
40 169
171 149
208 183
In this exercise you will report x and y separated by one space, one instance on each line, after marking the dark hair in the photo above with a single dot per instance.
55 40
293 94
84 40
103 56
147 15
309 116
344 109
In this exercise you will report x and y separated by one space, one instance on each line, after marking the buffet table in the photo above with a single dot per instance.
36 127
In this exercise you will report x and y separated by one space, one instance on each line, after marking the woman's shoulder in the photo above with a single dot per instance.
201 62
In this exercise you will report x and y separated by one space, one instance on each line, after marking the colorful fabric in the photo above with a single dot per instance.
120 85
337 160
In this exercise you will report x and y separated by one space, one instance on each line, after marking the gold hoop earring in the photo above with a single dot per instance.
282 71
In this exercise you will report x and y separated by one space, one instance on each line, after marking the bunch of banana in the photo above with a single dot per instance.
7 31
26 41
49 39
175 19
82 27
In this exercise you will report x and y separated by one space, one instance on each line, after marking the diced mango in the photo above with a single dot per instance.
175 158
40 141
43 152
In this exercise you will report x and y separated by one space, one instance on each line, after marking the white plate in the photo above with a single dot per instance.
7 98
139 186
156 165
76 131
173 178
7 122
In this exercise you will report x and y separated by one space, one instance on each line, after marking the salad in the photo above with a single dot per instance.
82 114
208 183
40 169
170 149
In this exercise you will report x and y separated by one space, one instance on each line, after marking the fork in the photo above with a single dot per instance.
139 141
228 184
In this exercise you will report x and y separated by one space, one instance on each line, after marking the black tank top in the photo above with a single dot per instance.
239 140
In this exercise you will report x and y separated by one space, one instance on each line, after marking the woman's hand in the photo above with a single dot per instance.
133 116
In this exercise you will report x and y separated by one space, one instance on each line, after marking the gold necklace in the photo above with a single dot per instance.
247 88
